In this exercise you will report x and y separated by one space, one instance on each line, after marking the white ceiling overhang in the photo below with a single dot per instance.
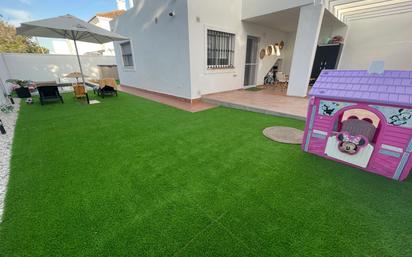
349 10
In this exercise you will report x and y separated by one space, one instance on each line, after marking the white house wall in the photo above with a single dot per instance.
288 52
4 75
4 70
267 37
66 46
307 35
104 23
225 15
254 8
160 51
331 27
387 38
47 67
85 47
3 99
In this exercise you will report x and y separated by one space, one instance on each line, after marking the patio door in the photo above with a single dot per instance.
251 62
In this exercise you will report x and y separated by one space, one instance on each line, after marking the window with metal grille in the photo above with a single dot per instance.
127 55
220 49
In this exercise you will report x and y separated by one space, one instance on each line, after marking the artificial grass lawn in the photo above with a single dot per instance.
130 177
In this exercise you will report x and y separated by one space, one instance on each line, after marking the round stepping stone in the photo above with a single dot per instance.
285 135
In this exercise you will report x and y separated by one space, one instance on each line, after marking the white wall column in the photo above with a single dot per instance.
310 21
4 75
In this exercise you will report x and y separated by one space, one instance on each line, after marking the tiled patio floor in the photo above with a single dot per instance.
269 101
195 106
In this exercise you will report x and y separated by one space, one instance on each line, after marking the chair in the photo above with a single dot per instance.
23 92
282 79
94 85
80 92
107 86
49 94
359 127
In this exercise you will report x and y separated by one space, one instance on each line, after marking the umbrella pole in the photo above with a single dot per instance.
80 64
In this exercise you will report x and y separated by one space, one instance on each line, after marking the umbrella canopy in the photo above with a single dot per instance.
69 27
75 74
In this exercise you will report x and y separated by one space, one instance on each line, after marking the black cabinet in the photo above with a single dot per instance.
327 57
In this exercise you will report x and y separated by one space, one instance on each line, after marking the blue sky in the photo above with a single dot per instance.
17 11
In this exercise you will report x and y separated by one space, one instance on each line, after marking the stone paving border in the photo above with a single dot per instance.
284 135
6 141
252 109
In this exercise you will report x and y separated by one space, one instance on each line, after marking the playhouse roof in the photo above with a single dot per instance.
391 87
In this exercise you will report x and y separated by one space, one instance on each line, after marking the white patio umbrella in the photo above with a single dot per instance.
69 27
75 75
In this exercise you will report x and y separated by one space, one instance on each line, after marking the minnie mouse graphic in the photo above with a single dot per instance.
329 108
351 144
401 118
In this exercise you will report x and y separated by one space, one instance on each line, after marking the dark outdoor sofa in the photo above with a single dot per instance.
23 92
49 94
106 90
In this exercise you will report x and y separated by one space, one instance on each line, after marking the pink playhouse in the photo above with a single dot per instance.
362 119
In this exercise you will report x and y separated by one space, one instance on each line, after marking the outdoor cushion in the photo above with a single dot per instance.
110 82
107 86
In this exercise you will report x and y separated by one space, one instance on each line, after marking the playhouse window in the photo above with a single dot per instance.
358 122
